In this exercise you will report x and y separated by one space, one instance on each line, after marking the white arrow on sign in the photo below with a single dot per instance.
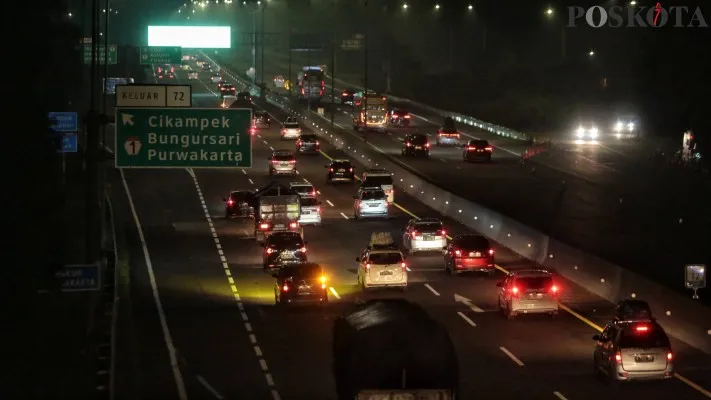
127 119
467 302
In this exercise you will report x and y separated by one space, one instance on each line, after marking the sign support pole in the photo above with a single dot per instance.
92 230
333 61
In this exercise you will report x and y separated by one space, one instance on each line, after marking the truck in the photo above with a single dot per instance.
277 208
392 349
311 84
373 107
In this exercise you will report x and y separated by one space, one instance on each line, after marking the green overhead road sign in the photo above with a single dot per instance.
161 55
183 138
113 58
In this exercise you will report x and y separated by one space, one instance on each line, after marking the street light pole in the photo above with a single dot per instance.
263 85
106 67
333 62
254 48
92 227
365 72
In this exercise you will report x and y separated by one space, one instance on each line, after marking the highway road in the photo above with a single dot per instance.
225 338
606 198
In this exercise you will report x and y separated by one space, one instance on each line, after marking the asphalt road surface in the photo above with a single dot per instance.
608 198
229 341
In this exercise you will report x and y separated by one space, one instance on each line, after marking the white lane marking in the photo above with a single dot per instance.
467 319
333 290
251 181
344 215
467 302
271 148
244 171
436 293
559 395
258 351
329 203
209 388
238 299
511 356
167 337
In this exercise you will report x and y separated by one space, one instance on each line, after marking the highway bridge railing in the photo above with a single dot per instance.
682 317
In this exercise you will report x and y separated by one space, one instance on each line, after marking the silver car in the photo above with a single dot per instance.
290 130
282 162
529 291
303 188
310 211
426 234
370 202
633 350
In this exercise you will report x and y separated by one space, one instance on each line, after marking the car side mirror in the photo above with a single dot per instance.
499 284
402 230
275 275
326 166
597 338
261 244
357 259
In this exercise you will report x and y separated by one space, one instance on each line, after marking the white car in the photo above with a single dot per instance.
587 132
303 188
193 75
381 264
310 211
426 234
382 178
290 130
216 78
370 202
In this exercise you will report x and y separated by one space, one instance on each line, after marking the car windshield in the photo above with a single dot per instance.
308 138
654 337
472 243
378 181
428 227
286 240
309 202
385 258
534 283
373 195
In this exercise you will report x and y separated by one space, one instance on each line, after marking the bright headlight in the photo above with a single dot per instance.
580 132
618 126
630 126
593 133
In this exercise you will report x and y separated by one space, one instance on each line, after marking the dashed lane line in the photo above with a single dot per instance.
251 181
511 356
436 293
244 171
209 388
466 319
235 292
333 291
329 203
559 395
344 216
167 337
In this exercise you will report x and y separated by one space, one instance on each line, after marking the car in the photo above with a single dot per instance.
382 178
399 117
633 350
347 96
291 119
186 67
381 264
165 68
282 162
215 78
228 89
340 170
469 252
300 283
587 132
416 144
290 130
632 309
239 203
308 143
245 96
166 75
477 150
283 248
303 188
528 291
206 67
193 75
370 202
227 101
261 120
448 137
425 234
310 211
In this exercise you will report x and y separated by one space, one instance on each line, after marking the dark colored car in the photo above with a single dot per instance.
246 96
261 120
477 150
300 283
308 143
469 253
239 203
228 89
283 248
340 170
416 145
347 96
399 118
632 310
206 67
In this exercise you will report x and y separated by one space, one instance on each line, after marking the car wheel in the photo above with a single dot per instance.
510 314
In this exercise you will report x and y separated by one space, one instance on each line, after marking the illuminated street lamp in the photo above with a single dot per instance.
633 3
69 15
436 6
591 53
549 11
471 7
404 6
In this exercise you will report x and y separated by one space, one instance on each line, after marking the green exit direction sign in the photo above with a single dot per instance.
113 58
161 55
183 138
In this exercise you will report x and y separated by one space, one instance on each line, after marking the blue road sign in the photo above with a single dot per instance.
79 278
70 144
64 121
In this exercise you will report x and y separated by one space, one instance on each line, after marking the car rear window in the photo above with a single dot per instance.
478 143
303 189
240 195
283 158
286 240
385 258
309 202
419 139
303 271
340 165
449 130
429 227
472 243
378 180
630 337
309 139
534 283
291 125
373 195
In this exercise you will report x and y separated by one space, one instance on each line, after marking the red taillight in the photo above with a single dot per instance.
285 288
302 90
318 143
330 170
298 143
670 356
350 169
270 250
292 161
408 144
427 144
263 226
443 232
457 253
320 93
415 233
618 357
491 252
407 116
323 83
394 115
230 202
367 266
489 148
554 289
642 328
293 225
514 290
275 161
403 265
303 249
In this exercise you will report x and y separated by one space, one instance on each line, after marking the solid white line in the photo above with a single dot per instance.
180 385
427 285
344 215
333 290
329 203
559 395
209 388
511 356
464 317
